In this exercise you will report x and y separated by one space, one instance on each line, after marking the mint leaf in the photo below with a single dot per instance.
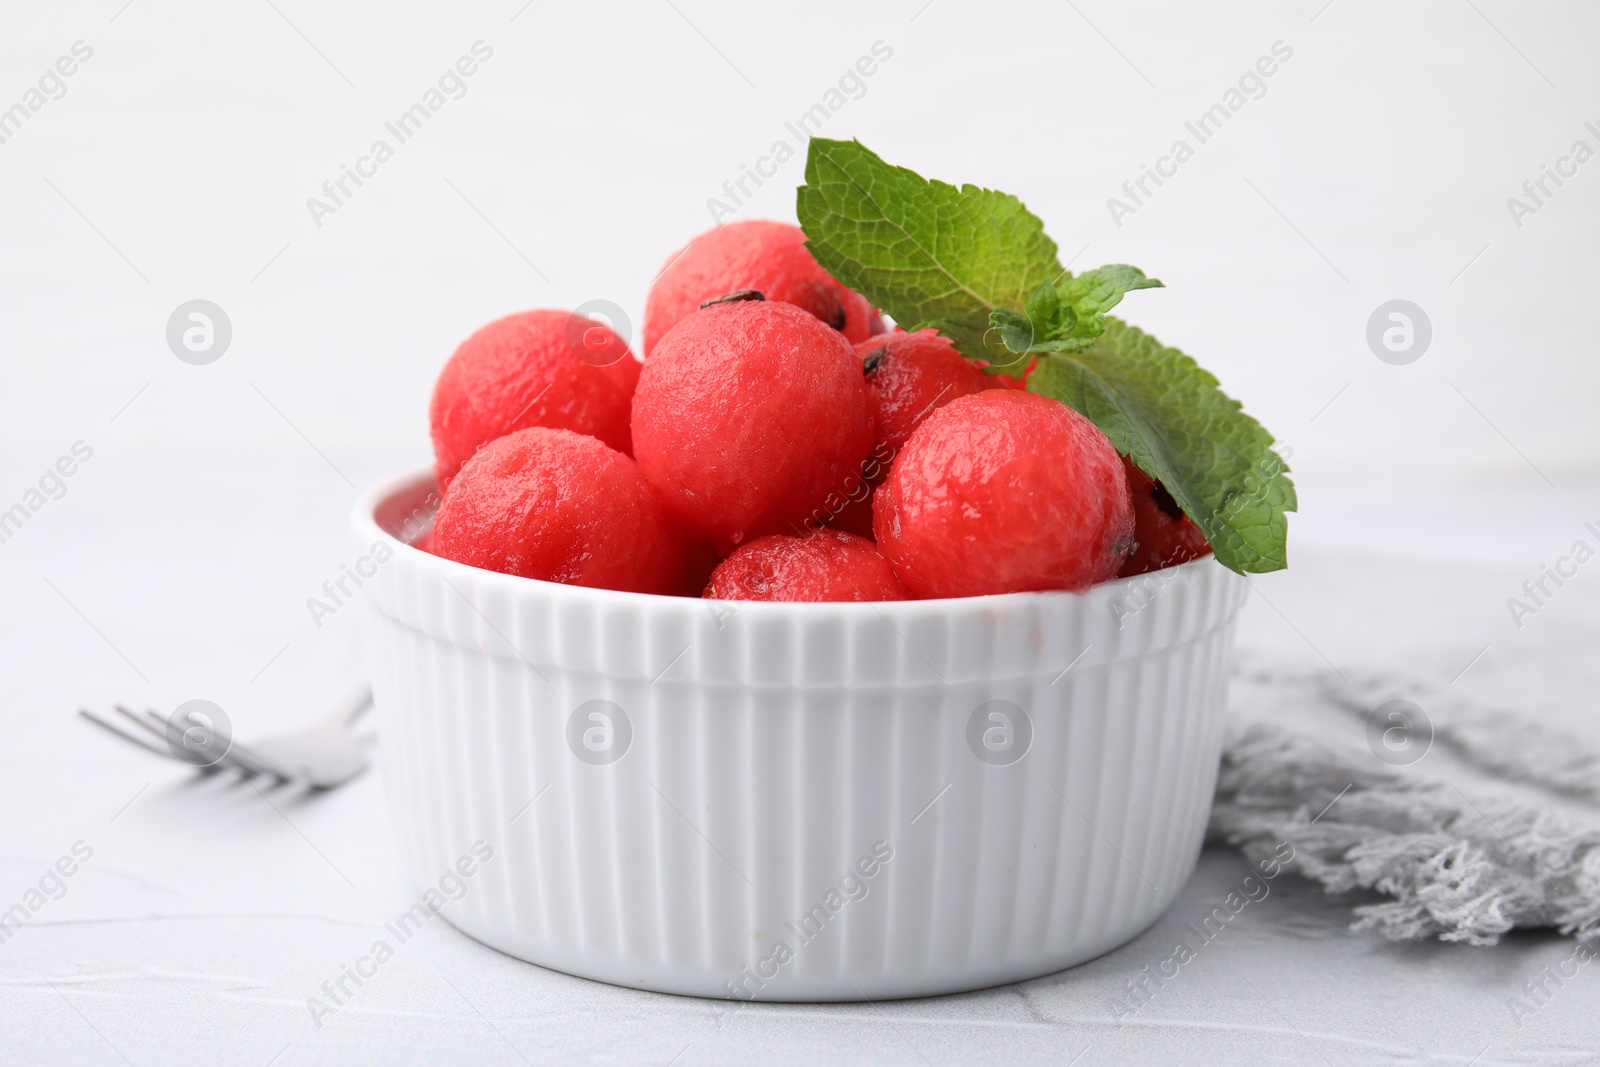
1016 330
1091 295
965 261
1044 306
1160 408
977 266
928 253
1071 313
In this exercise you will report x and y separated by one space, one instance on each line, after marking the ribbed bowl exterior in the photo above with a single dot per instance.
806 808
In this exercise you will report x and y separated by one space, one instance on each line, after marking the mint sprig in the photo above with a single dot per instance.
1165 412
949 256
977 265
1067 314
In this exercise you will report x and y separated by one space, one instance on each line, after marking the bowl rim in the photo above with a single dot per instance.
364 522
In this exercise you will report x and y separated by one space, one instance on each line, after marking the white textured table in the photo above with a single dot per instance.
209 913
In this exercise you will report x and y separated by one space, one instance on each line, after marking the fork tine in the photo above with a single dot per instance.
231 758
157 725
140 721
154 722
129 738
242 757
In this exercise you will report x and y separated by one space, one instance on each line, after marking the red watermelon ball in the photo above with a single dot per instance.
769 257
535 368
909 376
561 507
748 416
1166 536
1004 492
826 565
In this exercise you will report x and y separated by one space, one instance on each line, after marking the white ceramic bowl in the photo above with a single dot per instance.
795 801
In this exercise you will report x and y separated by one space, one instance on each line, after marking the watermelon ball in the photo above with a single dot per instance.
769 257
1165 534
850 506
749 414
911 374
535 368
822 566
1003 492
562 507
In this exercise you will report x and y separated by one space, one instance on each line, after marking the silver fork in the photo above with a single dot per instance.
323 755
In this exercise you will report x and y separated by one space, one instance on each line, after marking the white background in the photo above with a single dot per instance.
178 164
594 137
